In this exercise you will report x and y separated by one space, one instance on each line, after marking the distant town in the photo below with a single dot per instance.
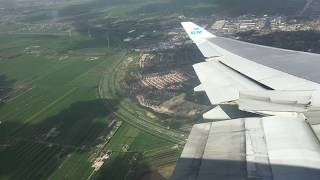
264 24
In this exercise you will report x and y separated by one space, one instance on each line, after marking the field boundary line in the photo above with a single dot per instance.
44 109
51 104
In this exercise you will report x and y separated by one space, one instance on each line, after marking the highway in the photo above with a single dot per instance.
109 88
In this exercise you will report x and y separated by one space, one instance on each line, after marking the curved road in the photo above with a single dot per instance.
109 88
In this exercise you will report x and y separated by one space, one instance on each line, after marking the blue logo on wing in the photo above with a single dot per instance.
196 31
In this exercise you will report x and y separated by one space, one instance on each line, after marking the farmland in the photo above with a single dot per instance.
75 9
58 99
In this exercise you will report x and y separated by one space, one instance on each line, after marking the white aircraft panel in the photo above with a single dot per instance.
216 113
199 88
270 77
275 101
221 83
207 49
190 161
291 143
256 150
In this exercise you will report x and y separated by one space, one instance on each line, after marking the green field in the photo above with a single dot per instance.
54 87
189 8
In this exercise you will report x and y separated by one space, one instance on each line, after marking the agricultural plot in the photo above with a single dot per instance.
55 122
208 7
144 153
190 8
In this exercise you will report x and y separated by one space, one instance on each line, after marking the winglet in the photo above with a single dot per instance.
195 32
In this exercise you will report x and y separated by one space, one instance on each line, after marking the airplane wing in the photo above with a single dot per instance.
266 67
281 85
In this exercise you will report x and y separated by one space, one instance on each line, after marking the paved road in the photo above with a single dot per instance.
135 119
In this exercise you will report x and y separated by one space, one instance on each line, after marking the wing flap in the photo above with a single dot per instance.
275 101
248 148
221 83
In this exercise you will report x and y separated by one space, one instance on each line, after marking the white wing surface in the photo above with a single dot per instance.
267 67
280 85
